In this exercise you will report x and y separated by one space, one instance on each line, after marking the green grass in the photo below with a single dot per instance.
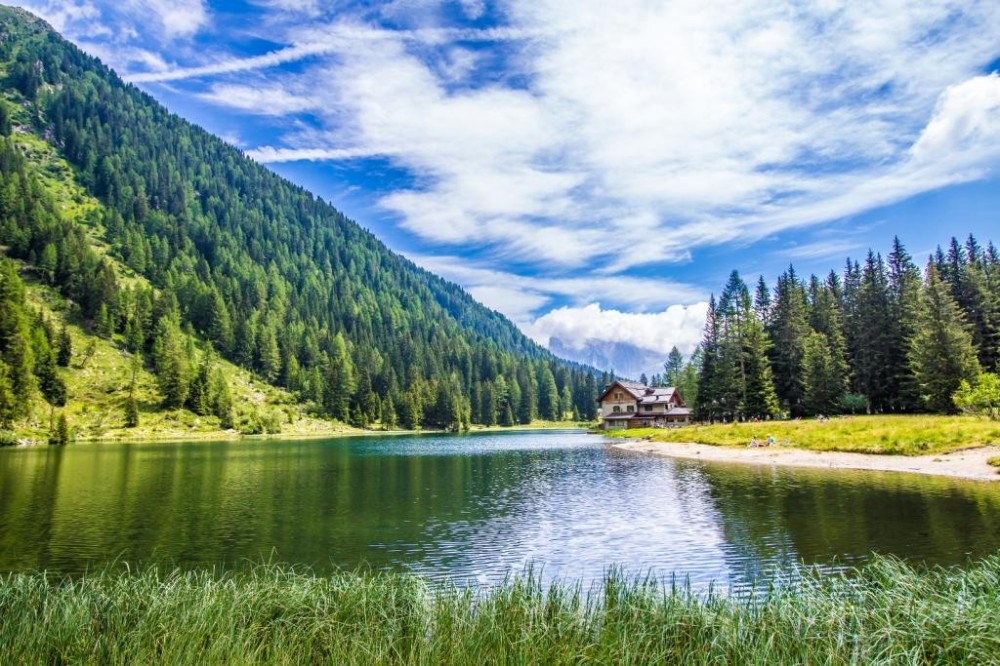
889 612
905 435
994 461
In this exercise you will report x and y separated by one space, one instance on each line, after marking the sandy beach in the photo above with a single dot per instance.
966 464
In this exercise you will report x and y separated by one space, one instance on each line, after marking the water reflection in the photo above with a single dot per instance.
469 508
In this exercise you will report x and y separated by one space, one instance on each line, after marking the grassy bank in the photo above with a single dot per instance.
889 613
905 435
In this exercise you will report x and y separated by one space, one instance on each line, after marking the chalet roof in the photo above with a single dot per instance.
646 395
652 396
634 388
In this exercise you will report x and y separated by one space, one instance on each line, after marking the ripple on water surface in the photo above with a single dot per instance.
470 508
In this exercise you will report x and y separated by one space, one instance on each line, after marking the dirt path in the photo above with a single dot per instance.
967 464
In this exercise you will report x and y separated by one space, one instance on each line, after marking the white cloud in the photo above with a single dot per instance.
655 331
178 18
965 124
265 99
519 305
270 154
699 123
307 8
473 8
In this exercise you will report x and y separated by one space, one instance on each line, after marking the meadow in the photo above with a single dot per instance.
890 435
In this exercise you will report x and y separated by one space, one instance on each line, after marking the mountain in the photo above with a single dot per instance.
173 246
625 359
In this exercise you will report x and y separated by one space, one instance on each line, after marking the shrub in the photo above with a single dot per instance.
981 398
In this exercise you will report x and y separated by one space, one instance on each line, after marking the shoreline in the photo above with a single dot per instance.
969 464
179 437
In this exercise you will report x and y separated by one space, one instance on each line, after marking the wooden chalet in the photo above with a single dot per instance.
626 404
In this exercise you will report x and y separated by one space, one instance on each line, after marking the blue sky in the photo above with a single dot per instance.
591 169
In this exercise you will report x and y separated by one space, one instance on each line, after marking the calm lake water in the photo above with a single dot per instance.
469 508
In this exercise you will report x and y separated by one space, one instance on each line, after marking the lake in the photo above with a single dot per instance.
470 508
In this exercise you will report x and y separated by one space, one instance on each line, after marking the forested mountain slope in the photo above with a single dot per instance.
270 277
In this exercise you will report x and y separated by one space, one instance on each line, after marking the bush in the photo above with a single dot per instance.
981 398
8 438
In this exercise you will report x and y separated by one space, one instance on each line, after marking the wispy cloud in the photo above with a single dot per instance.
710 124
330 39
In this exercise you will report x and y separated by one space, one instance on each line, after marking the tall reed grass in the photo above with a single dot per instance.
888 612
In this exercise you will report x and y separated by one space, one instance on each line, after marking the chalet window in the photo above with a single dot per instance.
630 408
649 408
617 409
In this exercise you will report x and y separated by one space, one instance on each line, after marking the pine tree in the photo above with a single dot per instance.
760 400
706 404
548 394
874 376
199 391
674 366
565 403
941 351
788 331
172 364
59 435
131 412
389 420
340 383
268 354
980 303
222 400
904 305
488 403
762 302
65 353
687 382
823 377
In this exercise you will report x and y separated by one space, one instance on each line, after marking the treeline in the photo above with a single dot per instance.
881 336
268 276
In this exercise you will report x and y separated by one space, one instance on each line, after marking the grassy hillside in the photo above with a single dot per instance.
99 376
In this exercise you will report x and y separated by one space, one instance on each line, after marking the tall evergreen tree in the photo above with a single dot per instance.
171 362
706 405
823 377
788 331
65 352
674 366
873 354
904 306
941 351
